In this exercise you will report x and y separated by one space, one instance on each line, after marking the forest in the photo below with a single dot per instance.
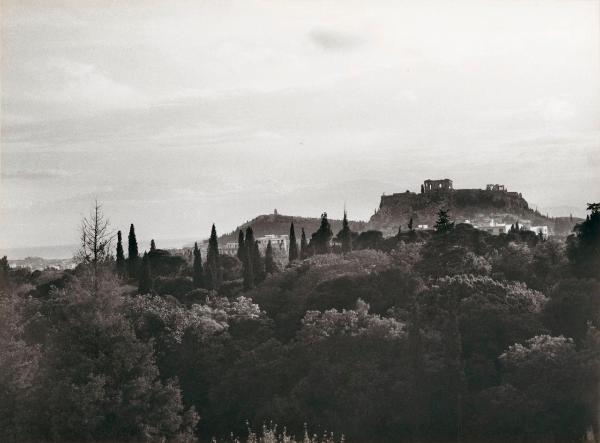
449 335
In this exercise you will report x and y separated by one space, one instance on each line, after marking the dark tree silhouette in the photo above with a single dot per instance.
258 264
319 241
293 254
133 254
410 224
304 252
248 273
145 282
241 247
96 239
443 223
584 246
120 256
345 235
213 262
152 245
197 271
270 265
4 269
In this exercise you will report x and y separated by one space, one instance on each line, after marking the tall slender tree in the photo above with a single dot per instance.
240 252
443 223
96 239
258 264
133 254
304 252
120 256
410 224
319 241
152 246
293 253
145 282
213 261
345 235
197 271
270 265
248 273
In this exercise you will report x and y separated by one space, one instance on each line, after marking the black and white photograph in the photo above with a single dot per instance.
300 221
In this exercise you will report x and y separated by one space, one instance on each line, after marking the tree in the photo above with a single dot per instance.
345 235
303 246
213 262
99 382
293 254
4 269
133 256
410 224
120 256
240 252
270 265
422 189
145 282
258 264
197 272
152 245
583 247
320 240
247 261
95 240
443 223
248 273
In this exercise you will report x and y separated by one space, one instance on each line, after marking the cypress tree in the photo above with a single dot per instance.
133 256
240 252
247 271
410 224
293 254
303 246
258 264
120 256
320 239
152 245
197 271
213 262
443 223
345 235
270 265
145 282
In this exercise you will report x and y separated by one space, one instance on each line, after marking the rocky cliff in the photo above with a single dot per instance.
476 205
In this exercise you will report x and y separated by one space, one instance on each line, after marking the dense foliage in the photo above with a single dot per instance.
454 335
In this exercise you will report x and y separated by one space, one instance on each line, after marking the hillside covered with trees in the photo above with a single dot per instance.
449 335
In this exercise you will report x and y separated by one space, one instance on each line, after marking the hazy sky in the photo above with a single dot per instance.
178 114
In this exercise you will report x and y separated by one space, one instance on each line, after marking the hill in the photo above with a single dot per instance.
279 224
476 205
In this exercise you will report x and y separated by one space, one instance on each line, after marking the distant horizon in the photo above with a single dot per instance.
18 252
178 114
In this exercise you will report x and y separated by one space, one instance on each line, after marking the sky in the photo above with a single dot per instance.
178 114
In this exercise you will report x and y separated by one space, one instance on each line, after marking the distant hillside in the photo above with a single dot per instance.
280 224
463 204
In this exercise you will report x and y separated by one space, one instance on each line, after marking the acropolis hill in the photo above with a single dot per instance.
476 205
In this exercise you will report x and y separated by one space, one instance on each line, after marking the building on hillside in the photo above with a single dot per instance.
279 243
437 185
229 248
543 230
495 187
494 228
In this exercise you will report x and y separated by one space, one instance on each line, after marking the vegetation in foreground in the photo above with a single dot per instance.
450 336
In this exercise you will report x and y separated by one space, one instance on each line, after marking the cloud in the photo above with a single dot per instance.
331 40
33 175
